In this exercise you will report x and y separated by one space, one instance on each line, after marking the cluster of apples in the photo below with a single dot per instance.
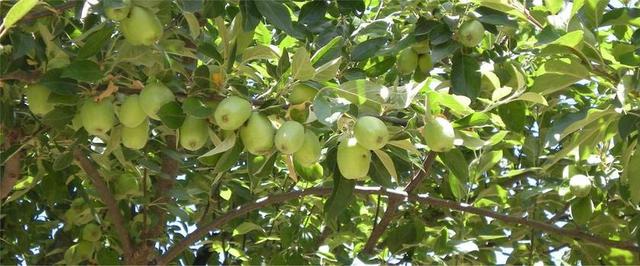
418 57
138 23
256 131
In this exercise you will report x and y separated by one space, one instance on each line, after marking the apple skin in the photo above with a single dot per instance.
118 13
97 117
353 159
371 132
257 135
131 113
470 33
141 27
232 112
407 61
310 151
153 97
580 185
91 232
289 137
136 138
301 93
438 134
194 133
37 98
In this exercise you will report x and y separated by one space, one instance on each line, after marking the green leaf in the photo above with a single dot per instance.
225 145
557 74
301 68
59 117
362 91
456 163
367 49
95 41
327 107
171 115
473 120
622 16
63 161
278 15
328 52
340 198
83 70
554 5
229 158
192 22
211 51
465 76
387 162
246 227
533 97
17 11
379 173
195 107
328 71
487 161
505 6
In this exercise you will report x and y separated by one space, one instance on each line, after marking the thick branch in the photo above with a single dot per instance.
13 166
113 212
392 206
392 194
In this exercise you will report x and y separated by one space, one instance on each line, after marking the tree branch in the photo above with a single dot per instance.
113 212
13 166
47 12
392 194
163 185
392 206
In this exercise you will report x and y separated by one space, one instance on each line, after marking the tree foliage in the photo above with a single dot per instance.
319 132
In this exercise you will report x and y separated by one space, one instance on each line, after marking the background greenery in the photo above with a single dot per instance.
551 91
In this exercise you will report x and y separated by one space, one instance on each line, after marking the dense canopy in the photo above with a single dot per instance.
319 132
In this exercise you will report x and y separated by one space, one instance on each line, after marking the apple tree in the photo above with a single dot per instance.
319 132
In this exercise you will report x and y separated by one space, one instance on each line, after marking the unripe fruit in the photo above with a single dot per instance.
136 137
582 210
311 172
91 232
353 159
97 117
142 27
470 33
84 250
580 185
194 133
421 47
310 151
257 135
126 185
38 99
438 134
371 132
153 97
424 63
131 113
119 13
232 112
407 61
289 137
301 93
